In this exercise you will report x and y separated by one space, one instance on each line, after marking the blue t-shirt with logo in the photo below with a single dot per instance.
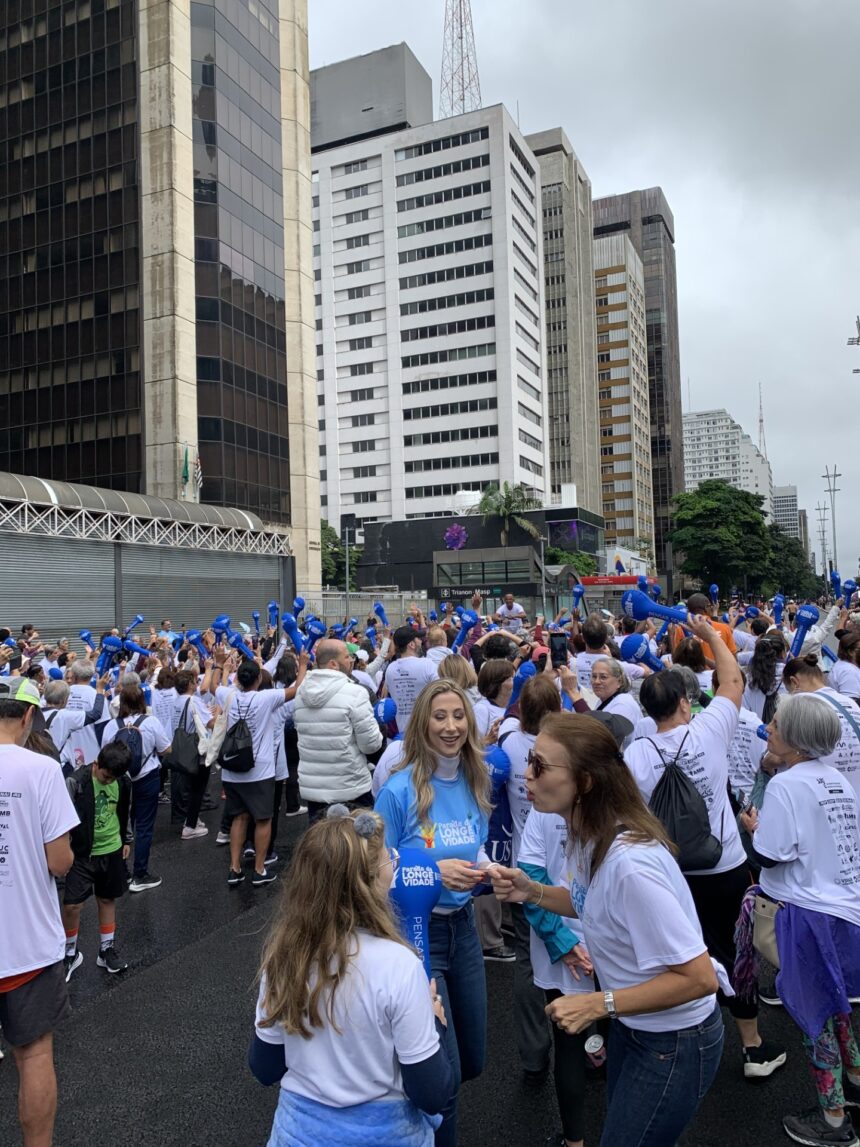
455 827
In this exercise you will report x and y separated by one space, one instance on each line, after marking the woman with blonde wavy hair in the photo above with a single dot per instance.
345 1020
437 801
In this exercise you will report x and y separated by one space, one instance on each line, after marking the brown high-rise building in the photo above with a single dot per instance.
646 218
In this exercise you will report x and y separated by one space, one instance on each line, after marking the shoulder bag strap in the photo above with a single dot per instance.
838 705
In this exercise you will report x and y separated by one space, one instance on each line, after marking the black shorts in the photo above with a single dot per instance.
36 1008
254 797
104 875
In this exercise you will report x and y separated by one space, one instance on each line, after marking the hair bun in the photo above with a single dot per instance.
337 810
365 825
811 659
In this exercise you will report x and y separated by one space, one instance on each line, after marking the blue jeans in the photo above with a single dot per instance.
457 962
656 1081
144 806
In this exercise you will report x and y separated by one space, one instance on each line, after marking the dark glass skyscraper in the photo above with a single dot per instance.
70 330
155 252
239 256
647 218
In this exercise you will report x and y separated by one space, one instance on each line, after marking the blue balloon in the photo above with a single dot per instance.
380 612
638 606
274 613
526 670
298 605
255 617
385 711
635 649
291 628
195 638
807 616
236 641
415 893
468 620
849 588
87 638
133 647
836 582
315 630
715 593
136 620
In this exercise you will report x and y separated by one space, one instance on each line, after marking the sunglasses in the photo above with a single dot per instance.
394 857
538 765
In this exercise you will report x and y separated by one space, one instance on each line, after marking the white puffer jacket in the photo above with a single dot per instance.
336 728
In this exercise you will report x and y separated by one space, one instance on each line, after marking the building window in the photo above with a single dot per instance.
354 167
446 196
357 216
451 381
358 368
357 268
364 496
442 169
361 344
455 354
358 292
444 143
447 462
357 241
357 192
446 275
463 299
439 410
442 222
471 243
532 467
362 395
440 330
363 419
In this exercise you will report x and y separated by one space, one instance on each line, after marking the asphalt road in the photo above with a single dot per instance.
156 1056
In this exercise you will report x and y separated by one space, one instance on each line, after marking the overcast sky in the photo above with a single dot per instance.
747 114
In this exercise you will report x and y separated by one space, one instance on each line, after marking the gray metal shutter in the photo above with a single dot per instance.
59 585
194 586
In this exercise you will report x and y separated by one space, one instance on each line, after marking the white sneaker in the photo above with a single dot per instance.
222 838
300 811
198 830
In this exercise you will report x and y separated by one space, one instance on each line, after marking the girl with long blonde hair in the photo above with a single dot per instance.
345 1020
437 801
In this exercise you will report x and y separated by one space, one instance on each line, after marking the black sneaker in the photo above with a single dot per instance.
770 996
264 877
852 1091
249 851
271 858
70 963
811 1128
235 877
763 1060
144 883
108 958
501 955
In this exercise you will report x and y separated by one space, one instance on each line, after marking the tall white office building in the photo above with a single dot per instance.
785 510
715 446
431 362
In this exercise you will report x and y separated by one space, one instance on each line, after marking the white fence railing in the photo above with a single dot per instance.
334 606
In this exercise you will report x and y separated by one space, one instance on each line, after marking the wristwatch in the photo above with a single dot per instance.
609 1005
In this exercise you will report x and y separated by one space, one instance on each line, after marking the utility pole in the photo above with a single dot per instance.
821 511
832 490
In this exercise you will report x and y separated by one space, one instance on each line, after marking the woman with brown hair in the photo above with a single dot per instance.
462 673
495 684
844 676
690 652
640 928
437 800
345 1020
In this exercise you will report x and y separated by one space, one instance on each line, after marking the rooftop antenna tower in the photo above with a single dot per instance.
461 87
822 535
762 441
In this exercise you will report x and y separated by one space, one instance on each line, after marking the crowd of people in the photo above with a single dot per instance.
644 820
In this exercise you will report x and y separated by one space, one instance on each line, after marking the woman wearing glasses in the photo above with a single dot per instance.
438 800
638 921
345 1019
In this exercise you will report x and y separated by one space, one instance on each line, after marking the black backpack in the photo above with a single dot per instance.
53 751
679 805
132 738
237 749
184 755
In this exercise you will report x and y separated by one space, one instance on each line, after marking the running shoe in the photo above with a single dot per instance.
110 960
71 963
144 883
811 1128
263 878
761 1061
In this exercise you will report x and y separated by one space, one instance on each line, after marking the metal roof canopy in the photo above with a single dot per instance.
67 496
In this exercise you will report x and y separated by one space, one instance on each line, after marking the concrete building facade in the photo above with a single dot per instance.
715 446
147 286
431 364
622 392
570 331
785 510
645 216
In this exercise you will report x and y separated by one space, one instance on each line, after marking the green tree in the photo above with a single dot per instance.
508 504
789 570
584 564
334 558
722 535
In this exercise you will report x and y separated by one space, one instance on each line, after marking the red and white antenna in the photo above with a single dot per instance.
461 87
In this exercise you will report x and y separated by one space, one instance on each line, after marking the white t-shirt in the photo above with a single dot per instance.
383 1010
155 740
844 677
82 697
485 713
810 820
754 699
162 708
705 679
744 641
279 721
258 709
704 759
745 751
391 757
585 661
625 706
178 707
35 808
405 678
846 756
517 746
638 920
543 843
60 724
511 616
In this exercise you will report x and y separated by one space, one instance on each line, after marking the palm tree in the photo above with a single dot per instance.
508 504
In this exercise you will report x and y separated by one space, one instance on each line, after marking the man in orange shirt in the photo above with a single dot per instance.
699 605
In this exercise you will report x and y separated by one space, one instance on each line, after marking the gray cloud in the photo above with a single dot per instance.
745 112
